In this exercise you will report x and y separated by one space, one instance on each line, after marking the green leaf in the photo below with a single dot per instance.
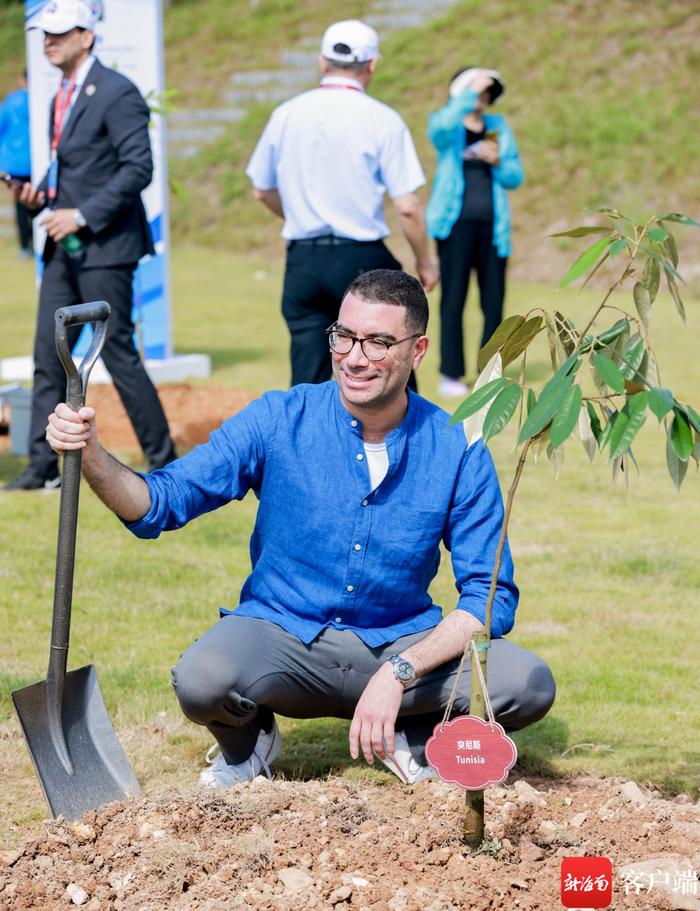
660 401
595 422
587 259
663 262
672 250
642 301
628 424
693 417
681 435
649 369
605 338
552 338
612 417
611 213
585 431
680 218
478 399
518 341
673 288
608 372
531 399
501 411
631 357
657 234
618 246
546 405
499 338
651 276
676 467
583 231
566 417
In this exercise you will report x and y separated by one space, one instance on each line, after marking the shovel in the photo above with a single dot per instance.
76 754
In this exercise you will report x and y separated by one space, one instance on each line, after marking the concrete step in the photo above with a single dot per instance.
256 78
207 115
259 95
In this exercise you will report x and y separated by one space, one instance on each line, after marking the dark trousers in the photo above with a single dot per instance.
469 246
66 283
315 279
24 222
243 670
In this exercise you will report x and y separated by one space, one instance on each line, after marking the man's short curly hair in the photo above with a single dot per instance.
391 286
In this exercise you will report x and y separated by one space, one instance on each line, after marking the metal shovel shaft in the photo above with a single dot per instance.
77 379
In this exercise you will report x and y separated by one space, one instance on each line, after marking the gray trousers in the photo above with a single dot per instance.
241 671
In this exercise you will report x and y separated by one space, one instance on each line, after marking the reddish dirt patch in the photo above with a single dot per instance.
336 844
192 412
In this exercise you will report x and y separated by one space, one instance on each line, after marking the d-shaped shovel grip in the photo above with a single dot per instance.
96 312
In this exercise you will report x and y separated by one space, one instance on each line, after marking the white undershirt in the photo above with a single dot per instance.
377 462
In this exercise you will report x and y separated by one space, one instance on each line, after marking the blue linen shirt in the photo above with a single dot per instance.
326 549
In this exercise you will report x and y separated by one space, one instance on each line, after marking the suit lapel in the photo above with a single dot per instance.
82 101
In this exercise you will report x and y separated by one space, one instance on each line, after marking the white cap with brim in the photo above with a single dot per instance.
464 80
350 41
61 16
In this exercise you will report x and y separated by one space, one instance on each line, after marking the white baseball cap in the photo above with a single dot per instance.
60 16
465 77
350 41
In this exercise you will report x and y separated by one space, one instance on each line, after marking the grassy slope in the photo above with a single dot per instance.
601 96
609 580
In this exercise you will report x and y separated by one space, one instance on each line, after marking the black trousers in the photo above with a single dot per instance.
66 283
23 219
469 246
315 279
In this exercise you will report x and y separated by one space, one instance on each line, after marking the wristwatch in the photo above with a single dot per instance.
403 670
79 218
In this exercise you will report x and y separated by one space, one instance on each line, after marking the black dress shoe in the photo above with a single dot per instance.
30 480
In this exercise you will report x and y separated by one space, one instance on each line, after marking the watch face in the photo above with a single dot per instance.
404 671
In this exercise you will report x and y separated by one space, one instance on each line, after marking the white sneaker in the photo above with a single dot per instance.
219 774
402 763
452 388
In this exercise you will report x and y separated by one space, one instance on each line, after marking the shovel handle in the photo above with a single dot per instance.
96 312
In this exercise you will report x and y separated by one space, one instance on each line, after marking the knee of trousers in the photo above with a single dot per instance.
206 688
534 700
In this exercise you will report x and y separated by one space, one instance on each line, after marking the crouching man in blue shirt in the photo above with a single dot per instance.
358 481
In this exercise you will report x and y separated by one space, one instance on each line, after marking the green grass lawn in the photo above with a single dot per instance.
610 579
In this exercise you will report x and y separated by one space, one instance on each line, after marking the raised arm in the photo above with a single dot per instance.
120 489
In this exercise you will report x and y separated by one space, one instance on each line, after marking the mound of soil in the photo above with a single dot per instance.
337 844
192 412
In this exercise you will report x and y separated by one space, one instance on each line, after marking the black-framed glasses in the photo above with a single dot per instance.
374 349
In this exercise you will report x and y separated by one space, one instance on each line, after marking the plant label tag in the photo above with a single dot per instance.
471 752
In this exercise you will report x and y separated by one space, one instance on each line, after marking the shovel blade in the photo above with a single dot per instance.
101 772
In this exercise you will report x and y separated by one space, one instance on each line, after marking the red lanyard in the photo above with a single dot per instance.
340 85
60 109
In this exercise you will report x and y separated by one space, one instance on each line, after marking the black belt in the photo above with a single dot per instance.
328 240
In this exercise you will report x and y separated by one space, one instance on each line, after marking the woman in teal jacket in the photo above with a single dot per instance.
468 211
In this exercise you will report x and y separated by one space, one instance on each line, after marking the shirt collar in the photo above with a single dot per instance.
355 424
342 82
83 70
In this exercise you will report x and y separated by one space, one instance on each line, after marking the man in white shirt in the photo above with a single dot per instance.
323 164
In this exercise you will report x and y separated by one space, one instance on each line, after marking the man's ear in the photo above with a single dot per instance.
420 349
323 63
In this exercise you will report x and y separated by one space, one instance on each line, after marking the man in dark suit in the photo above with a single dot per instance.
96 227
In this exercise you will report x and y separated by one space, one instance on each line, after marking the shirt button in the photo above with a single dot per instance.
364 502
353 423
358 547
359 457
338 619
348 588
